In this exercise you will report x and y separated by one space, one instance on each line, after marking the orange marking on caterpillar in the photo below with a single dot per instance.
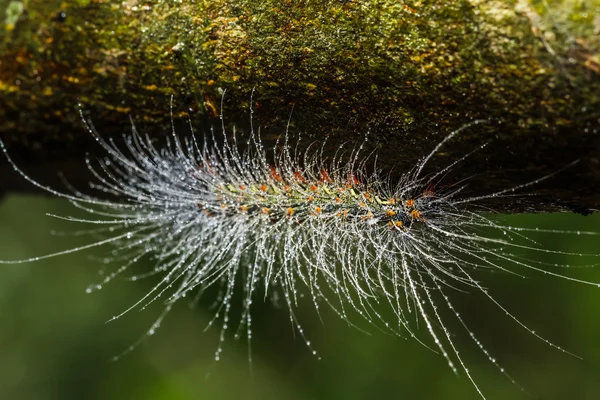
416 214
299 177
275 175
208 169
390 213
325 177
289 211
429 191
352 181
396 225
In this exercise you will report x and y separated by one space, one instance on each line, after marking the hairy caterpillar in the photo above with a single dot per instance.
298 223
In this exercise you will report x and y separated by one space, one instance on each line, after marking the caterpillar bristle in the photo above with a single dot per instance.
334 229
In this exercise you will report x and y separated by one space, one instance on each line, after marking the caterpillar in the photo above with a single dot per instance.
289 223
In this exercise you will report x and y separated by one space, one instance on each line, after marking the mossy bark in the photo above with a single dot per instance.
407 73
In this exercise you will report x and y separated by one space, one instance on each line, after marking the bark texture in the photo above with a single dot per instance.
408 73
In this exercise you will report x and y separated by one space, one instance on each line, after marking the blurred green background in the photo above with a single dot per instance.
55 342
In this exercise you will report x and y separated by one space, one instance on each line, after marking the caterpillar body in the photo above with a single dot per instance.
296 222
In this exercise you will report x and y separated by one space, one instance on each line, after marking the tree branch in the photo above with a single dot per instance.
407 73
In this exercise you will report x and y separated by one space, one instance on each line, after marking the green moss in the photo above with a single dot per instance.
390 66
